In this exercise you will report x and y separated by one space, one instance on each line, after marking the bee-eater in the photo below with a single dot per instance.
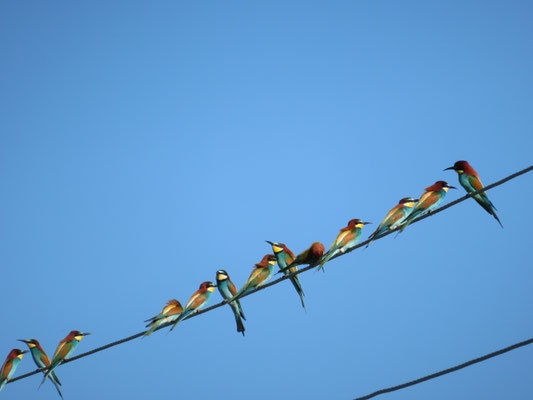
197 301
346 240
430 200
65 348
285 259
227 289
394 218
259 276
311 255
469 179
169 313
10 365
42 361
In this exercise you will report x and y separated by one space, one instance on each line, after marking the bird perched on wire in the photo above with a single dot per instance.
346 240
260 275
285 259
394 218
430 200
65 348
169 313
10 365
42 361
227 290
197 301
469 179
311 255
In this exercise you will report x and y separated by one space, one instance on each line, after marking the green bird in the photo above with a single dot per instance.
285 259
42 361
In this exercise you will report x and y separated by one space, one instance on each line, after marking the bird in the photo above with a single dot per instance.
469 179
346 240
197 301
169 313
65 348
259 276
311 255
10 365
42 361
285 259
430 200
394 218
227 290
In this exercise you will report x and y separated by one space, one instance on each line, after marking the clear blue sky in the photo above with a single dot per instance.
144 145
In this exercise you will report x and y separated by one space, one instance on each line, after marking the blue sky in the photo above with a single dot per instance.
145 145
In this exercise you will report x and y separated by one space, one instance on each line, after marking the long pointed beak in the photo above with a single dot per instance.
367 223
415 200
85 334
451 187
446 169
22 340
269 242
24 351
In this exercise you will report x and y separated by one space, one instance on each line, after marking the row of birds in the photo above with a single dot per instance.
397 219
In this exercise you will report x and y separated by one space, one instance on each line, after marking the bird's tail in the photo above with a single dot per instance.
182 316
241 313
55 378
497 219
46 374
155 325
2 383
325 259
298 286
238 319
488 206
56 384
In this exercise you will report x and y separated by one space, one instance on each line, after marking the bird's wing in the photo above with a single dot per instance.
195 301
44 358
6 369
61 351
344 238
475 182
232 288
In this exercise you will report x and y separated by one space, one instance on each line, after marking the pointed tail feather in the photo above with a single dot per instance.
325 259
56 384
298 286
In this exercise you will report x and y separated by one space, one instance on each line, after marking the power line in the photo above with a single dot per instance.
446 371
285 277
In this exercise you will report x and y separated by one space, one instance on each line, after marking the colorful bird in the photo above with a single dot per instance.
309 256
469 179
197 301
10 365
346 240
65 348
259 276
394 218
428 202
169 313
285 259
227 289
42 361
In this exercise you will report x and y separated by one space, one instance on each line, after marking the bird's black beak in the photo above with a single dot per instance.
367 223
24 351
446 169
269 242
451 187
85 334
23 341
415 200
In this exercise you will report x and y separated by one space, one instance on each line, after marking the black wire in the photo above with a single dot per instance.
285 277
446 371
